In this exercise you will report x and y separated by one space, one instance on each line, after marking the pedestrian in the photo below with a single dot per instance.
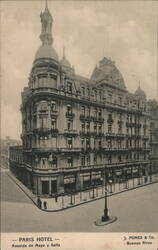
56 198
39 203
45 205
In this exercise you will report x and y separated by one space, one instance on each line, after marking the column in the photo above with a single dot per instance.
60 184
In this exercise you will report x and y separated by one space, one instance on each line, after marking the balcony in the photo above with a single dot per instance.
70 115
85 118
42 131
110 135
145 137
69 150
45 149
54 131
70 132
85 133
146 149
98 119
120 135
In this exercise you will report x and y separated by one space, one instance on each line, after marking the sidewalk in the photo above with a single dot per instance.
67 201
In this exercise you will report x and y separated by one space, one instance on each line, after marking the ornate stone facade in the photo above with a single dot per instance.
73 127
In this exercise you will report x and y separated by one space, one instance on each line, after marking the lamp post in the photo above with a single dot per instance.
106 218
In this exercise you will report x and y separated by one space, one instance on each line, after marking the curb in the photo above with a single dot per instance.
82 203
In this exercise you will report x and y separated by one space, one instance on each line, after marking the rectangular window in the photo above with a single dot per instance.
109 128
69 125
83 161
109 159
53 106
109 144
54 162
95 113
83 110
69 109
88 112
100 128
69 142
88 160
70 162
87 142
83 127
88 126
54 123
100 114
69 87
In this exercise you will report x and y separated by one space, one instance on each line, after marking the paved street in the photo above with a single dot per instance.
136 211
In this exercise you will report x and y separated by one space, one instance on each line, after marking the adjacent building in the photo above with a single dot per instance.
74 129
5 144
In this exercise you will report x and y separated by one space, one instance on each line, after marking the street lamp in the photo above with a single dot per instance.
105 219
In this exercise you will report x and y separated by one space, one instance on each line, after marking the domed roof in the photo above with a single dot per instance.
65 62
140 93
107 72
46 51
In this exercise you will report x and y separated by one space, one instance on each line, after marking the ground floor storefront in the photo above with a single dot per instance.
87 181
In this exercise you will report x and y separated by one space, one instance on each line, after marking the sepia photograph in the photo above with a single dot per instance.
79 118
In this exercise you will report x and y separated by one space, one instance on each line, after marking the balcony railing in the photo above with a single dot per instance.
65 150
86 118
72 132
45 149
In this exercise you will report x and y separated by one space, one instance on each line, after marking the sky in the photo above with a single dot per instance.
125 31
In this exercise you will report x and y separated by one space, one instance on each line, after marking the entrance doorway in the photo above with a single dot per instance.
54 187
45 187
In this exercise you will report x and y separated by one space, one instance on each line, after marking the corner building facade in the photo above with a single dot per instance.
74 128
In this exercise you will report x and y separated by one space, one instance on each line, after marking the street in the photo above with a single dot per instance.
136 211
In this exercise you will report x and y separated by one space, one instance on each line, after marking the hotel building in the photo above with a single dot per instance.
75 129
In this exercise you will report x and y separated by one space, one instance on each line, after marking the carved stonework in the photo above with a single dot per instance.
46 21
